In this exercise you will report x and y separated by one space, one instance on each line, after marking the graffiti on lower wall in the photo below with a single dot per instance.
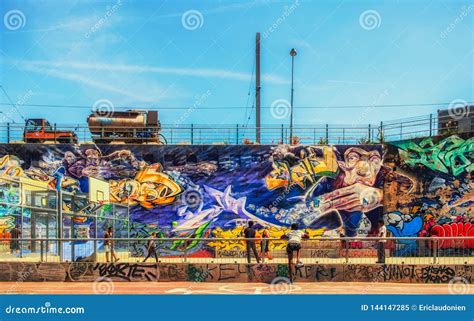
212 191
429 191
227 273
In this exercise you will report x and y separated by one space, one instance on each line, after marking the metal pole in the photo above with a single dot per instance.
327 134
60 223
192 134
22 202
237 135
257 89
369 133
96 246
42 250
382 135
8 133
346 245
291 102
431 124
282 134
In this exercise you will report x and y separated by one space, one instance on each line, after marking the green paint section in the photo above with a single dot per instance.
450 155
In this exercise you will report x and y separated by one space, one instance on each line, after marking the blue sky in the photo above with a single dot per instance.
145 53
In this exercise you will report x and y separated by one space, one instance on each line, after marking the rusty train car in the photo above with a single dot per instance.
131 127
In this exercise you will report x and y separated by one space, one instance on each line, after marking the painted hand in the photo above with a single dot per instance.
357 197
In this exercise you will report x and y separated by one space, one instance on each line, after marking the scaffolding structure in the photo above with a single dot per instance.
43 212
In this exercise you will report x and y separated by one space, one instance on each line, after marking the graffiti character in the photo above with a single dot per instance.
353 191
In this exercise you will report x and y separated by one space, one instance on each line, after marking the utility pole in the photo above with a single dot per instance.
292 54
257 88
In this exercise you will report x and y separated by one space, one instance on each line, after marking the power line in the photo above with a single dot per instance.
249 92
238 107
12 104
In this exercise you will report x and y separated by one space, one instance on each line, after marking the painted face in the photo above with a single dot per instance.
69 157
93 157
360 166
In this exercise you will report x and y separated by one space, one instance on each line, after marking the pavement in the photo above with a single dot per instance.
226 288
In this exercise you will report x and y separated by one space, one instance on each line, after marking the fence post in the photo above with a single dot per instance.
346 245
382 135
431 124
327 134
282 137
237 135
343 135
55 139
401 131
314 136
369 134
8 133
192 134
41 251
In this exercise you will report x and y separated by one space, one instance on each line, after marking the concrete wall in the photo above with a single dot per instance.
146 272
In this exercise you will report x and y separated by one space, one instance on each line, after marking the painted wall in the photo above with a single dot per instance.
205 191
420 187
429 190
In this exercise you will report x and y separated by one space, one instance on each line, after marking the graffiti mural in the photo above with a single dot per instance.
429 190
212 191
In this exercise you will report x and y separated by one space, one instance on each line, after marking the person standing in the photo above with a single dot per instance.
264 247
294 237
109 246
151 247
381 244
249 233
15 235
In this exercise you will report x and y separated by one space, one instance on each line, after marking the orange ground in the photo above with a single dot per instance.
223 288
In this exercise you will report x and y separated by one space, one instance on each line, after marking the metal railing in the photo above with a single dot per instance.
406 250
193 134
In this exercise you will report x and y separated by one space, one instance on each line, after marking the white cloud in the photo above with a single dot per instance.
190 72
150 96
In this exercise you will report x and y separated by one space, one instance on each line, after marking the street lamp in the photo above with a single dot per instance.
292 54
